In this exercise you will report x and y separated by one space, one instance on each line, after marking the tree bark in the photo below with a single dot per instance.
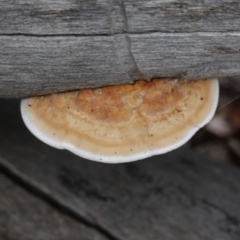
49 46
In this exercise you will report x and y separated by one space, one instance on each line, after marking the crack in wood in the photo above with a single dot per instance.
130 33
231 220
20 179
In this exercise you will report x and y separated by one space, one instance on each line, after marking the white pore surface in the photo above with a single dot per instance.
60 144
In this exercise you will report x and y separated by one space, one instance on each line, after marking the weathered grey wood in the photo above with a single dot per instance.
117 16
41 65
49 46
25 217
180 195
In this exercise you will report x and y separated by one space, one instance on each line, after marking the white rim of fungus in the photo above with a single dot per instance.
118 159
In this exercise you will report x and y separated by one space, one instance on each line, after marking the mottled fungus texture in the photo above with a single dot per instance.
123 123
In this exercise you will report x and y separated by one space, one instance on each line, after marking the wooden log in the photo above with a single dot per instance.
24 216
51 46
180 195
91 17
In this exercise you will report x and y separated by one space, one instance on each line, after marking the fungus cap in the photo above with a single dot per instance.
123 123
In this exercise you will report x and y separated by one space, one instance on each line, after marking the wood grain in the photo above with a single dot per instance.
49 46
91 17
26 217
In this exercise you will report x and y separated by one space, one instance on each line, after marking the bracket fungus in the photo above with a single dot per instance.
123 123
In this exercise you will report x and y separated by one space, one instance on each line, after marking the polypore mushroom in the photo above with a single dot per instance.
123 123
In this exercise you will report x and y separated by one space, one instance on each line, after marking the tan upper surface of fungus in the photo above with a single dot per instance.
123 120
